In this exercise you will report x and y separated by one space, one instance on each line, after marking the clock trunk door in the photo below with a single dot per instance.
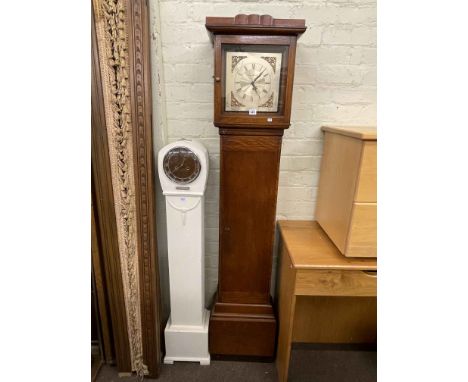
249 178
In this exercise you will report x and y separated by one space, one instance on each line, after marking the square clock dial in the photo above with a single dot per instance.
252 81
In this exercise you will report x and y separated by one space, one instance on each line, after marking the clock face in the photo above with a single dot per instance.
181 165
252 81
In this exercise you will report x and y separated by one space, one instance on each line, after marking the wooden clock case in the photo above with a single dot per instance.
242 320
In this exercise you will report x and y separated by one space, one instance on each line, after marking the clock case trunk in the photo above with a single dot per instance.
243 320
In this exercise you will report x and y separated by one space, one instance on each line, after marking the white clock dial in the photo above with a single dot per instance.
252 81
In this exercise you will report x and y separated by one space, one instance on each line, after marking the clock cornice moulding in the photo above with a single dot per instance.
255 24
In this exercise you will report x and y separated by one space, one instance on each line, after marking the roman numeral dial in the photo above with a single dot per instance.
252 81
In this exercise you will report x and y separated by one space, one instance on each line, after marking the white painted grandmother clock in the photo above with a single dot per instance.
183 172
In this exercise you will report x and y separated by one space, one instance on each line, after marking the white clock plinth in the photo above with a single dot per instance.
187 343
186 332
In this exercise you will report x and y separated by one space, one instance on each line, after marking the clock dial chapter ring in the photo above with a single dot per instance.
252 82
252 79
181 165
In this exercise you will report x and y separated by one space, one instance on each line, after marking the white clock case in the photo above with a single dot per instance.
186 332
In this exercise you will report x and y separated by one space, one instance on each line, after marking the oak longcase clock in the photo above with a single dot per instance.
253 84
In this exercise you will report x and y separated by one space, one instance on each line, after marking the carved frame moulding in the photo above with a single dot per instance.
122 32
106 231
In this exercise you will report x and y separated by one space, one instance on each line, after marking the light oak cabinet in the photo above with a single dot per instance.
347 193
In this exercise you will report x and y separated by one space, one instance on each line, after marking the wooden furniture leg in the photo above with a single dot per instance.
323 297
286 307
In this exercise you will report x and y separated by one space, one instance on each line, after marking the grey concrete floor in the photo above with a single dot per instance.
307 365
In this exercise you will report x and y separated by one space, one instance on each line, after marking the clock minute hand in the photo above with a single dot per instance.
179 166
256 78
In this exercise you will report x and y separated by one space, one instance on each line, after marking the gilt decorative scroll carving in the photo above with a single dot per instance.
122 29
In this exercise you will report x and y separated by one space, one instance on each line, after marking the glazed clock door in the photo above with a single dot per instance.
254 78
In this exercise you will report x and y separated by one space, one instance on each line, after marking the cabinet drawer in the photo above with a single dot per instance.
336 283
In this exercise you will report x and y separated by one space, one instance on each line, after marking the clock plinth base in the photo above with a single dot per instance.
242 330
187 343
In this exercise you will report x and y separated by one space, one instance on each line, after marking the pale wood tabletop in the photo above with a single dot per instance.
310 248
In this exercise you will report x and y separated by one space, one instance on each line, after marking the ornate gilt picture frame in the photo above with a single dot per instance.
122 122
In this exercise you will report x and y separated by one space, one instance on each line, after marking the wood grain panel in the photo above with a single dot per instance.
242 335
251 143
366 190
249 179
338 177
335 283
335 320
362 237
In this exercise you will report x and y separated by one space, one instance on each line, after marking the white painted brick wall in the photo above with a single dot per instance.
335 83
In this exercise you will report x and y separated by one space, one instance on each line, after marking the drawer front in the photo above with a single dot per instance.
362 236
366 187
336 283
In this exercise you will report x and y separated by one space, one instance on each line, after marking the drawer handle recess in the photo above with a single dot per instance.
371 273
